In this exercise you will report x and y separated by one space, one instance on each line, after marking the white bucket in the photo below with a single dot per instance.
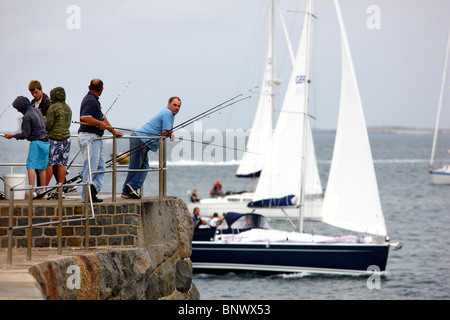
15 180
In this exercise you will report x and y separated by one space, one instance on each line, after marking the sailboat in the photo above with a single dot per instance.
351 201
440 175
273 154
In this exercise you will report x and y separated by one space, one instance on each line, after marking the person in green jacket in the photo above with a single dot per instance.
58 120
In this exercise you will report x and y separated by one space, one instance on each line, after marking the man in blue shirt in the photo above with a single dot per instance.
160 124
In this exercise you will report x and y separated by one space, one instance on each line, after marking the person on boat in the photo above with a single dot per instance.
217 191
215 220
33 130
194 197
58 120
94 125
159 124
196 219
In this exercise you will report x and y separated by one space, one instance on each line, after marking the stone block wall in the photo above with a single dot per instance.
114 224
144 251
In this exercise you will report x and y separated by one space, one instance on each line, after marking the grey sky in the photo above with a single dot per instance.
208 51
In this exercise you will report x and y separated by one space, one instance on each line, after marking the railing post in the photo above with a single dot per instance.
161 175
60 209
164 167
86 222
10 224
30 222
114 169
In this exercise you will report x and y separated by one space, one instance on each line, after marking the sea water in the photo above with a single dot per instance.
417 214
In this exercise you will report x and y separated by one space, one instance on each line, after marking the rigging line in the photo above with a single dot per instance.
297 112
217 145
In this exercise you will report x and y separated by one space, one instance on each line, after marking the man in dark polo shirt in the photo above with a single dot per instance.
95 124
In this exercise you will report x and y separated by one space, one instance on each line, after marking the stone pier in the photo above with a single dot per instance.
137 249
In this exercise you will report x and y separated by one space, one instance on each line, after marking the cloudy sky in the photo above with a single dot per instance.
208 51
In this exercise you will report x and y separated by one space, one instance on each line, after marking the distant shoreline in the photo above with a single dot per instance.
397 130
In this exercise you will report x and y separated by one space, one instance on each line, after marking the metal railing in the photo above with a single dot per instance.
59 222
161 168
87 204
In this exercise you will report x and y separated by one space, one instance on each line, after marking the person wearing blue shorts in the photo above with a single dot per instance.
33 130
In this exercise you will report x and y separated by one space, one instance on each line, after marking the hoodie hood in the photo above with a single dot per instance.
22 104
58 94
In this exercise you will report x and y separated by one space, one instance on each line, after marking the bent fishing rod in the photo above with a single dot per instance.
123 90
185 123
134 150
1 115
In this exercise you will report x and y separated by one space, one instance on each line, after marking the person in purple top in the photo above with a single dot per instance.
33 130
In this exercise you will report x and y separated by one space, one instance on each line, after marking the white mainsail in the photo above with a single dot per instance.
352 199
262 127
281 174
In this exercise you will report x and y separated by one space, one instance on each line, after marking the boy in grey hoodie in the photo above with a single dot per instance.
33 130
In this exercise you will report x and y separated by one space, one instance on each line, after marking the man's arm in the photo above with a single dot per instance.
111 129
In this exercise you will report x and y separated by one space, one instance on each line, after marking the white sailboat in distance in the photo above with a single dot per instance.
440 175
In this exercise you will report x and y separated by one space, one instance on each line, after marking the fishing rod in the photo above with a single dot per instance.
123 90
140 147
180 126
211 111
208 113
1 115
217 106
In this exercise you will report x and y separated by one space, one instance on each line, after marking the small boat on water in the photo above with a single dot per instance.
246 242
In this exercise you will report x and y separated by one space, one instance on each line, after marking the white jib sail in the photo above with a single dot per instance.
352 199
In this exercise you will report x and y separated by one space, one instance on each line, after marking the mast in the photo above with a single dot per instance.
263 122
444 77
272 57
309 14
